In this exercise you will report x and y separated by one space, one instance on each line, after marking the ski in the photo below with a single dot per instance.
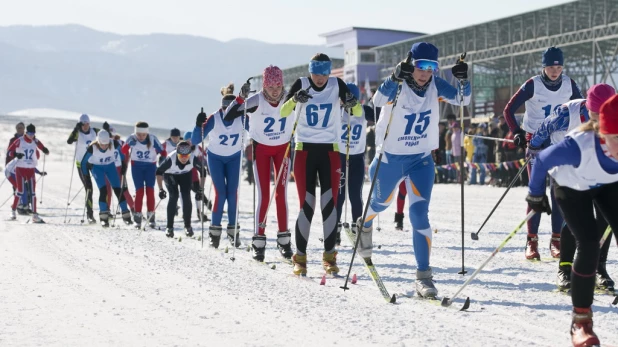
437 301
373 272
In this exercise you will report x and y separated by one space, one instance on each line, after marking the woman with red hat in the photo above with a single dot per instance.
585 169
271 137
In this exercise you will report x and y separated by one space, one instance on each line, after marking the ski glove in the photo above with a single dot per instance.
460 70
78 126
201 118
531 152
19 155
301 96
245 90
106 126
403 71
45 150
350 101
539 203
162 194
43 173
520 139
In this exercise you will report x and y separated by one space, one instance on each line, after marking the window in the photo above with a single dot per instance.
350 57
367 57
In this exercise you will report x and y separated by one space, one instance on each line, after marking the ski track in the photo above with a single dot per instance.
74 285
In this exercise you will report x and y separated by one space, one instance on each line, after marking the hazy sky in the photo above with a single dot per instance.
276 21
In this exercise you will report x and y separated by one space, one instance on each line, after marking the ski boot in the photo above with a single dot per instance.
532 248
21 210
90 217
284 244
231 229
189 231
137 218
300 264
214 234
151 219
29 211
169 232
354 228
365 245
554 245
104 219
581 328
399 221
13 215
259 247
563 279
604 282
338 238
36 219
126 217
424 284
329 262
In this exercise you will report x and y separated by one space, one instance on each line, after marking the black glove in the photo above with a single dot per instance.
43 173
520 139
201 118
350 101
302 96
78 126
403 70
106 126
45 150
245 90
162 194
19 155
195 186
531 152
460 70
123 169
538 203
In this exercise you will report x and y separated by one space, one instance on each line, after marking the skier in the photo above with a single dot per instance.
585 169
356 137
82 135
407 150
317 153
101 156
9 173
224 159
541 94
271 137
198 180
25 149
19 132
176 170
144 148
566 118
121 167
169 145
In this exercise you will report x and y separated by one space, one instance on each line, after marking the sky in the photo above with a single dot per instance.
274 21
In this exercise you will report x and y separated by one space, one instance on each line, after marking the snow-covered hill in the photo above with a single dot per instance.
66 284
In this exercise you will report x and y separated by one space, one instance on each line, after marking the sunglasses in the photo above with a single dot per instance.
426 65
183 156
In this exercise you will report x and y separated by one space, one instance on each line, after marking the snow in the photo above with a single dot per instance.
59 114
74 285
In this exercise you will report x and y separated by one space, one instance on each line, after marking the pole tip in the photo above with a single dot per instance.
474 236
393 299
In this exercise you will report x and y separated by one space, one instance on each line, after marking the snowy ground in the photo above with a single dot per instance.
75 285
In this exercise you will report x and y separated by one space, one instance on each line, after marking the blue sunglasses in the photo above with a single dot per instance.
426 65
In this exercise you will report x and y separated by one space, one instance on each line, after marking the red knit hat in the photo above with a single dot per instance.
608 117
272 76
597 95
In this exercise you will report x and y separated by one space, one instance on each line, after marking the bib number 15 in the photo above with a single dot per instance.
420 119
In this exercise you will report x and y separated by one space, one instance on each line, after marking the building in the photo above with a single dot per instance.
360 63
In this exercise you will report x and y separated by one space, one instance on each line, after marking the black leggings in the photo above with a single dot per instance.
317 160
578 211
355 185
567 241
87 182
173 182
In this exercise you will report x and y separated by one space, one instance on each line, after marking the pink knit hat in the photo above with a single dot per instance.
597 95
272 76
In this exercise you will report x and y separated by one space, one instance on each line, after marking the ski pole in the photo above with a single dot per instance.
7 199
202 171
86 203
475 236
70 185
449 301
43 179
118 205
4 180
75 196
373 181
149 218
461 118
605 236
347 170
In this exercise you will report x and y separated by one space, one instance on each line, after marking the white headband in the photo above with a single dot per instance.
141 130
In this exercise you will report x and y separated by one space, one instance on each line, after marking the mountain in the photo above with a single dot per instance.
160 78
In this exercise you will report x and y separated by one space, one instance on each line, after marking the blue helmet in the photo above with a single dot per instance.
354 90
